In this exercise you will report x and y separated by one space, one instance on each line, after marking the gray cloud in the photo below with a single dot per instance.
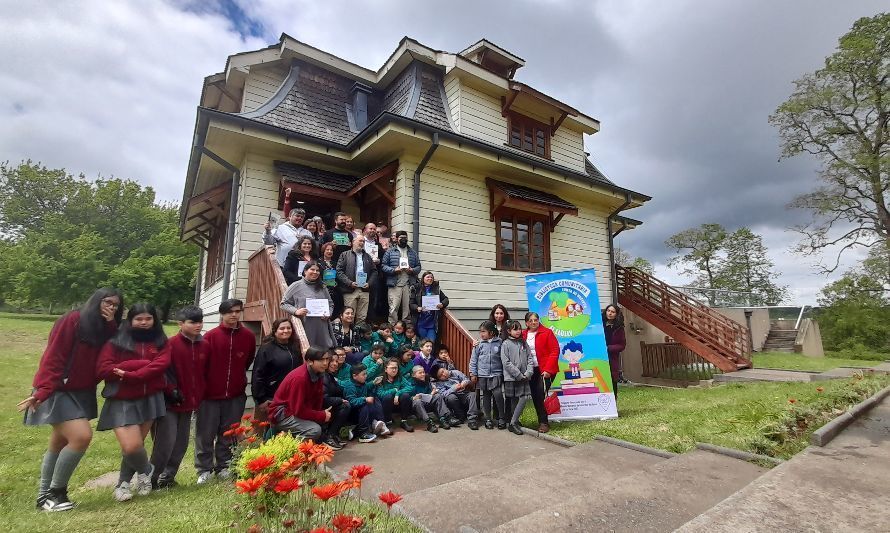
683 89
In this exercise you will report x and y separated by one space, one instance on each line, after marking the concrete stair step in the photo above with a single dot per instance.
486 500
660 497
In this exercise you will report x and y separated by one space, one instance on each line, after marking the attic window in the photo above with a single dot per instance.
528 135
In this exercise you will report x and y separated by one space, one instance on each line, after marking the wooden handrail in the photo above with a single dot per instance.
700 325
458 340
266 284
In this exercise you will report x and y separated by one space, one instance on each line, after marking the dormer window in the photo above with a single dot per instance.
528 135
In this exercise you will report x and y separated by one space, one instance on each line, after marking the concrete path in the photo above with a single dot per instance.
769 374
840 487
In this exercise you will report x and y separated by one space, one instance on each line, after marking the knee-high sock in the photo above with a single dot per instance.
138 461
65 465
47 467
520 405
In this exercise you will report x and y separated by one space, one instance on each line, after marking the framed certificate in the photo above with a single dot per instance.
430 302
318 307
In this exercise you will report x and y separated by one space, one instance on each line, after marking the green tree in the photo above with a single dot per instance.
625 259
700 253
747 269
841 114
855 314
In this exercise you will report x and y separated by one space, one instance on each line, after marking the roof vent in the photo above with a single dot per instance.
360 94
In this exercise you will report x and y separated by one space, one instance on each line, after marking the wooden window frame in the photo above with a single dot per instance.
216 251
539 132
518 216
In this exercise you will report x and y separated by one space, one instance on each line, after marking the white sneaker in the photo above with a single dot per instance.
122 492
205 477
143 482
225 474
379 427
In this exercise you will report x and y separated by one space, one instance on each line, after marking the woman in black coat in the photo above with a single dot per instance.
427 322
278 355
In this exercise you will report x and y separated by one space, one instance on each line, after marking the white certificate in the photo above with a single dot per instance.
300 266
403 263
318 307
429 303
371 249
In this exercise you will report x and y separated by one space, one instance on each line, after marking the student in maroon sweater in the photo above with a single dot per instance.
133 364
64 394
231 348
186 380
613 326
297 405
545 349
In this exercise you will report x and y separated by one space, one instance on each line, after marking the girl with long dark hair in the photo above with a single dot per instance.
64 394
304 251
613 326
133 364
277 356
499 315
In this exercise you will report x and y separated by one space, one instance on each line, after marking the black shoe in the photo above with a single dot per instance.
333 443
41 498
443 423
502 425
489 424
472 424
431 426
57 500
407 426
339 441
514 429
454 421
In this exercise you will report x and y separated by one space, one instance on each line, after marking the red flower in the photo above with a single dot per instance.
250 486
289 484
229 433
233 426
254 529
321 530
820 389
792 400
389 498
240 430
360 471
350 483
346 524
305 447
251 439
264 424
321 453
246 417
326 492
289 523
260 463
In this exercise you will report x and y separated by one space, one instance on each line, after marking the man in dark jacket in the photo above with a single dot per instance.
401 266
356 274
338 235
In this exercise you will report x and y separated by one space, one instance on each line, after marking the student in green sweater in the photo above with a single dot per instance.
344 368
365 405
384 337
398 334
374 362
395 393
406 362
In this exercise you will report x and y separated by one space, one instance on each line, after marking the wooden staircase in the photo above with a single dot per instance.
265 287
714 337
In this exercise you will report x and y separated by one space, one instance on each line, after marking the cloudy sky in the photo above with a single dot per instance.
683 89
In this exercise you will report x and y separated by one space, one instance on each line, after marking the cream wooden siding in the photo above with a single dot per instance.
210 300
457 242
452 93
261 84
480 117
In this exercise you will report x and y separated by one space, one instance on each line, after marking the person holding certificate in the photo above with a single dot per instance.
401 265
356 274
428 301
303 252
310 301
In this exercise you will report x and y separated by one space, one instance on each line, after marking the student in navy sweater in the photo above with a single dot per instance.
64 394
231 347
133 364
186 379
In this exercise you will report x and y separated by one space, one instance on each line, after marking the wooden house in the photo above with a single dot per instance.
488 175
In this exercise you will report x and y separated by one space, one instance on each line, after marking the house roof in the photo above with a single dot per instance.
595 173
532 195
314 177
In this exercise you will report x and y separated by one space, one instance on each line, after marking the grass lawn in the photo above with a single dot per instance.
187 508
796 361
756 417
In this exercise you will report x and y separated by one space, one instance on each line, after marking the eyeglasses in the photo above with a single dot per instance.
114 304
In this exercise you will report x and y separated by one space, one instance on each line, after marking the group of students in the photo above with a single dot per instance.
155 386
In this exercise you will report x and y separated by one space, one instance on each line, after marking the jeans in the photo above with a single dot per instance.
365 414
426 333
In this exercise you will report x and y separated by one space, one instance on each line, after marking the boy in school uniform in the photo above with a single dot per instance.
384 336
186 380
374 362
454 386
443 358
366 407
424 397
231 348
425 357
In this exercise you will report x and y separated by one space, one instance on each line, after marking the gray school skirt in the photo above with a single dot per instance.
118 413
517 389
62 406
493 383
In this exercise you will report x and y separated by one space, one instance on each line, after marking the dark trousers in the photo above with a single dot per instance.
540 386
213 451
339 417
389 406
462 404
364 415
170 438
615 370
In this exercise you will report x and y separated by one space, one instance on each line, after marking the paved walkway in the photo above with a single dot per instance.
769 374
840 487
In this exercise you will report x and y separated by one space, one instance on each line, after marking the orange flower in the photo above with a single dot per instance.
246 417
322 530
252 485
251 439
360 471
390 498
254 529
346 523
240 430
350 483
305 447
289 484
264 424
321 453
820 389
260 463
792 400
326 492
229 433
